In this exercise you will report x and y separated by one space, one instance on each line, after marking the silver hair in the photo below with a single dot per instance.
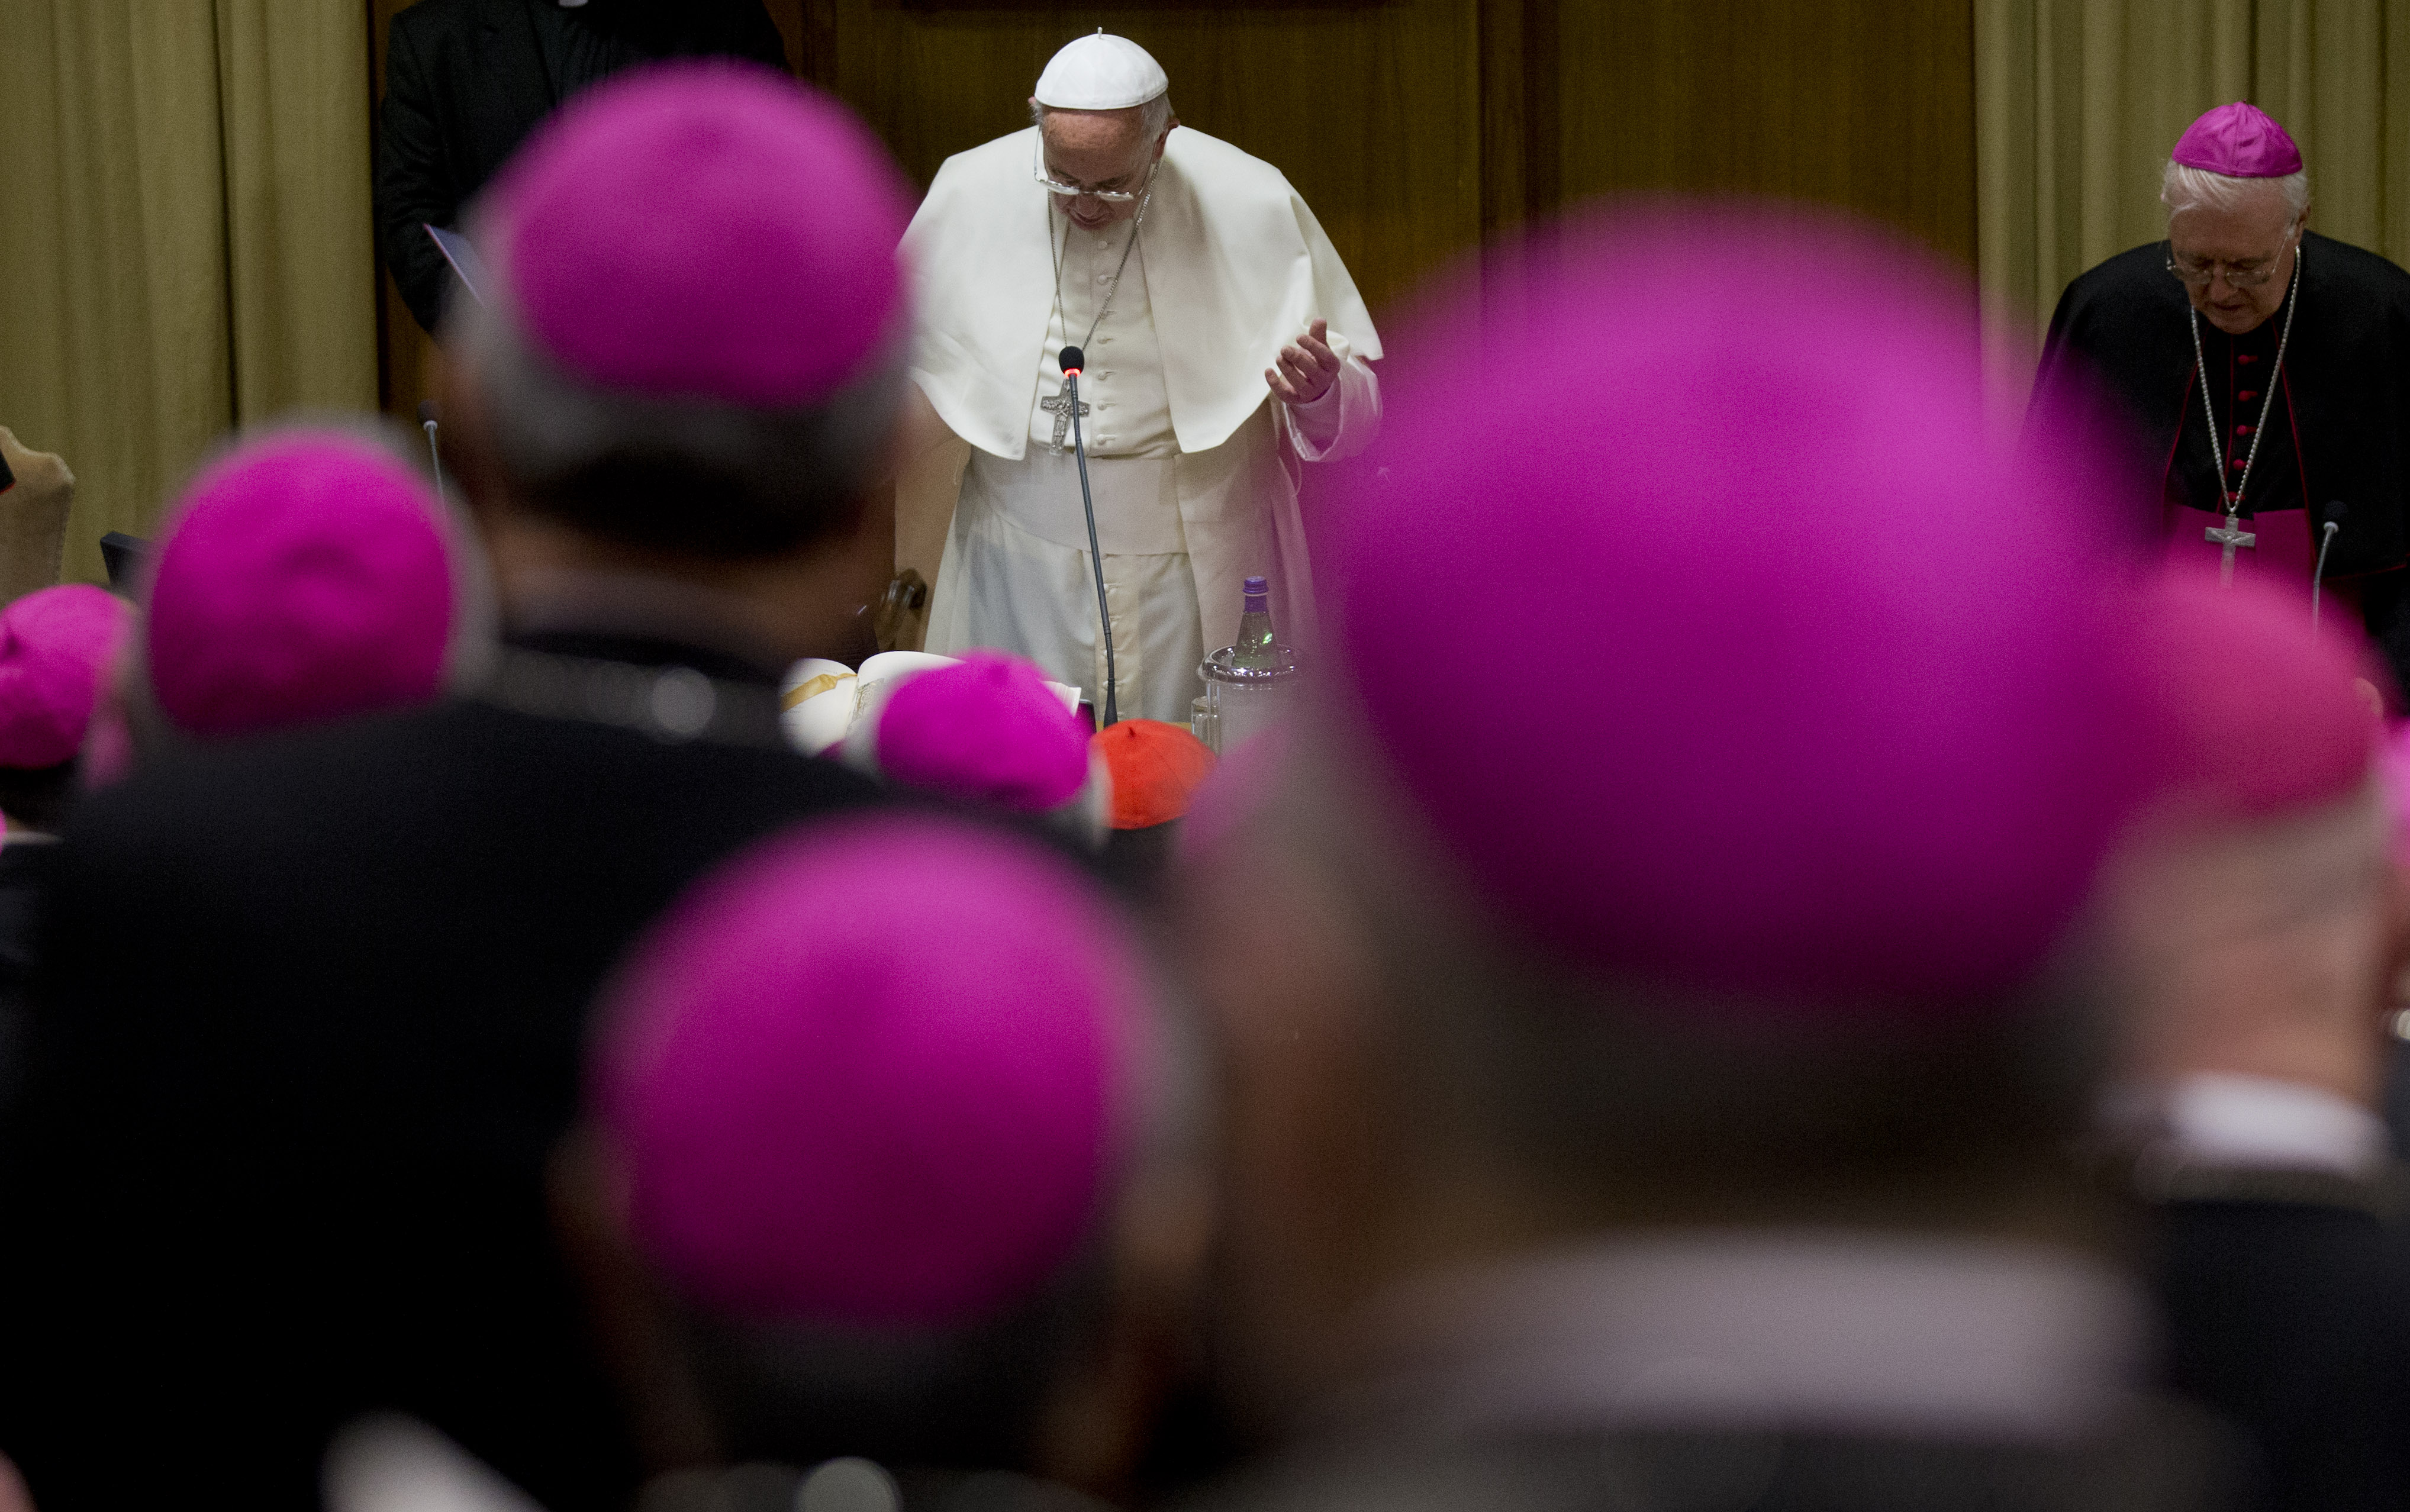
1153 115
770 479
2183 188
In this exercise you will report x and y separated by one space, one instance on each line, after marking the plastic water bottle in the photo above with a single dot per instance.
1255 650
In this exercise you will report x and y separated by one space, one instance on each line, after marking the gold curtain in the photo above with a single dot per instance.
185 241
2078 102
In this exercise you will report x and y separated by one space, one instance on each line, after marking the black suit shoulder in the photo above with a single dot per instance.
310 1017
458 878
423 19
728 29
25 871
2291 1319
2157 1456
466 82
718 28
385 780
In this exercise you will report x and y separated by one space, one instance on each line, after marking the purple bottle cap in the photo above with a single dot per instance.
1257 586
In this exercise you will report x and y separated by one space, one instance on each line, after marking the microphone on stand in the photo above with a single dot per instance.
1073 361
427 423
2336 510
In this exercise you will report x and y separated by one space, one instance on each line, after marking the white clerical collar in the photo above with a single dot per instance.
2235 1122
1760 1330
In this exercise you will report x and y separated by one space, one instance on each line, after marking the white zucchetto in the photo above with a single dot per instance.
1100 72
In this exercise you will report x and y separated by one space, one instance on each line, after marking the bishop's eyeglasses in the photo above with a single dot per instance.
1073 191
2247 274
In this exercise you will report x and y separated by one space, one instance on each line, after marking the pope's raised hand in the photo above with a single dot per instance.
1307 368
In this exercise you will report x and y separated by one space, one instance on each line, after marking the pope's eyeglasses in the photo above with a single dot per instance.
1073 191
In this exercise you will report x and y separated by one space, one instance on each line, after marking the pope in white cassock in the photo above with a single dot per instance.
1224 343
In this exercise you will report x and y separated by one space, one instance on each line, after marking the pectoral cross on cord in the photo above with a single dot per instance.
2231 536
1061 411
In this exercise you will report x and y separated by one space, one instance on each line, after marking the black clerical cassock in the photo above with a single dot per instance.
2119 366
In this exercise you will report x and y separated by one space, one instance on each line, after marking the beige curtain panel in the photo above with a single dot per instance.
2078 101
186 239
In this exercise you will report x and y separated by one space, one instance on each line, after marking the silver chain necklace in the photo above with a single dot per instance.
2232 534
1060 406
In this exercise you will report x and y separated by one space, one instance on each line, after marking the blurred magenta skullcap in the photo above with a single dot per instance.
306 576
873 1072
1823 709
2394 769
2239 140
56 647
2259 714
987 729
705 230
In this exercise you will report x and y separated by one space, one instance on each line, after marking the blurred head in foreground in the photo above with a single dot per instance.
884 1161
306 576
57 650
1754 901
989 732
2260 914
692 357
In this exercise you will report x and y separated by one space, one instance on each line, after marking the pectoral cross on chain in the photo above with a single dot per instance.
1061 411
2230 536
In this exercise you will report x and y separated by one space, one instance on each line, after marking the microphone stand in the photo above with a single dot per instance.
434 455
1072 360
2319 573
